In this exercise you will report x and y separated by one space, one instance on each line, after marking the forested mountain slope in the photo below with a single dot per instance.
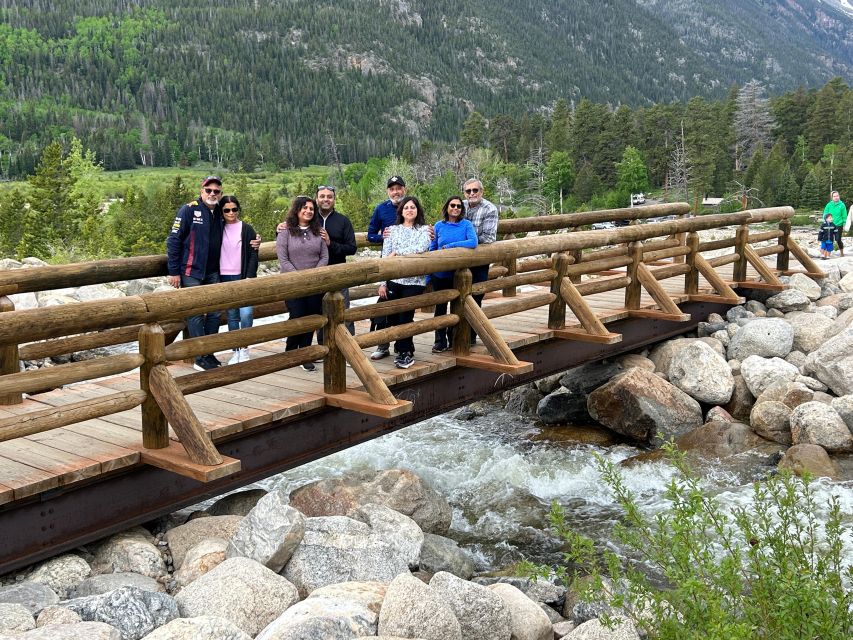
159 82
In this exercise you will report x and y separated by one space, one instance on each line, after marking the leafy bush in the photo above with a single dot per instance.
767 571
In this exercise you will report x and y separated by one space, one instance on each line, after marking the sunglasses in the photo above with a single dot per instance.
474 190
325 187
454 205
214 192
231 210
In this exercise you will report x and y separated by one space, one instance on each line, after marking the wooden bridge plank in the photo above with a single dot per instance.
67 467
110 456
24 480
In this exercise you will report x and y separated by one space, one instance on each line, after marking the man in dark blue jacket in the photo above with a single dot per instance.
384 216
192 250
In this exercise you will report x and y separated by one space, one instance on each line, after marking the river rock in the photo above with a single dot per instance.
563 407
772 420
340 549
443 554
270 533
237 504
737 312
132 611
775 313
523 400
240 590
105 582
843 406
397 489
841 322
759 373
78 631
846 283
56 614
130 551
801 282
201 559
723 337
595 630
91 292
797 358
24 301
32 595
182 538
789 300
829 312
15 617
62 574
812 459
809 329
741 401
813 384
629 360
662 354
585 378
528 620
138 287
765 337
549 383
818 423
322 618
481 612
642 406
719 439
832 363
702 373
399 531
200 628
411 609
367 594
755 307
539 590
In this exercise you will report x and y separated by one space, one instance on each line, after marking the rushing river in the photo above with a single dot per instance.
500 473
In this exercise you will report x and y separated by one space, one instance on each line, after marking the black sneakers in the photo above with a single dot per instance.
206 363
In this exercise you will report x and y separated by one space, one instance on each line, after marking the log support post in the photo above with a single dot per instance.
334 367
691 278
511 265
741 243
9 358
462 331
634 290
152 346
783 259
557 309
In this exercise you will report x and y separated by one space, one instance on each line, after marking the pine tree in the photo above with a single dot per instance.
50 216
474 130
559 177
632 172
558 135
810 195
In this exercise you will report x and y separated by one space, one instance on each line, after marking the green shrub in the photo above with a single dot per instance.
769 571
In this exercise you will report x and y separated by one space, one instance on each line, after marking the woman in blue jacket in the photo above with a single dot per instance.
455 231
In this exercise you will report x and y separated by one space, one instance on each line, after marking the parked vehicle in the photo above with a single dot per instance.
638 198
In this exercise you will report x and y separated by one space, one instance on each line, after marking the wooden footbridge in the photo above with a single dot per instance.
89 448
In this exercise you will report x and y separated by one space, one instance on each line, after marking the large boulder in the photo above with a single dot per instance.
818 423
538 590
200 628
812 459
481 612
443 554
595 630
62 574
398 489
809 330
843 406
131 551
523 400
77 631
759 373
563 407
399 531
132 611
801 282
32 595
702 373
789 300
340 549
239 503
719 439
240 590
742 400
662 354
765 337
771 419
411 609
840 323
270 533
105 582
201 559
56 614
182 538
15 618
642 406
528 620
584 379
832 363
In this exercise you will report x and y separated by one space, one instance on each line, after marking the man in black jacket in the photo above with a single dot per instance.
339 236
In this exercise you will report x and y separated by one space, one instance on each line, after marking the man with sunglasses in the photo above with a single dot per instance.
484 216
192 251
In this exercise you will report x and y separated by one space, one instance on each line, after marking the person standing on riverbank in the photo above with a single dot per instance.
839 216
384 217
238 260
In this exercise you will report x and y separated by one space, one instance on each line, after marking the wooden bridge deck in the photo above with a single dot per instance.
81 452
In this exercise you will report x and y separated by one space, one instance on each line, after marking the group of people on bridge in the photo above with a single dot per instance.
209 243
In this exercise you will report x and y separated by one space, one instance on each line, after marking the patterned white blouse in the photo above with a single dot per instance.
403 241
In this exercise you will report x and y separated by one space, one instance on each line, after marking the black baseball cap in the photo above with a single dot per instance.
395 180
210 179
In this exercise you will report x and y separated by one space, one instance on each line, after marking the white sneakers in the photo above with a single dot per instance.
240 355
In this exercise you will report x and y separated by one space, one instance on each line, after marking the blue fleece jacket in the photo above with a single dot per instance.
384 215
451 235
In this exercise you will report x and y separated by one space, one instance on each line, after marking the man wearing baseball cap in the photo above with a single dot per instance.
192 252
384 216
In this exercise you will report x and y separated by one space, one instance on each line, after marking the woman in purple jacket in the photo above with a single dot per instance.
455 231
301 247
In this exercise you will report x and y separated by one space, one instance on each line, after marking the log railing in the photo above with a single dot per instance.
636 263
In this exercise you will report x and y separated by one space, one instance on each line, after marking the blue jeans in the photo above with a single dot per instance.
206 324
241 318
